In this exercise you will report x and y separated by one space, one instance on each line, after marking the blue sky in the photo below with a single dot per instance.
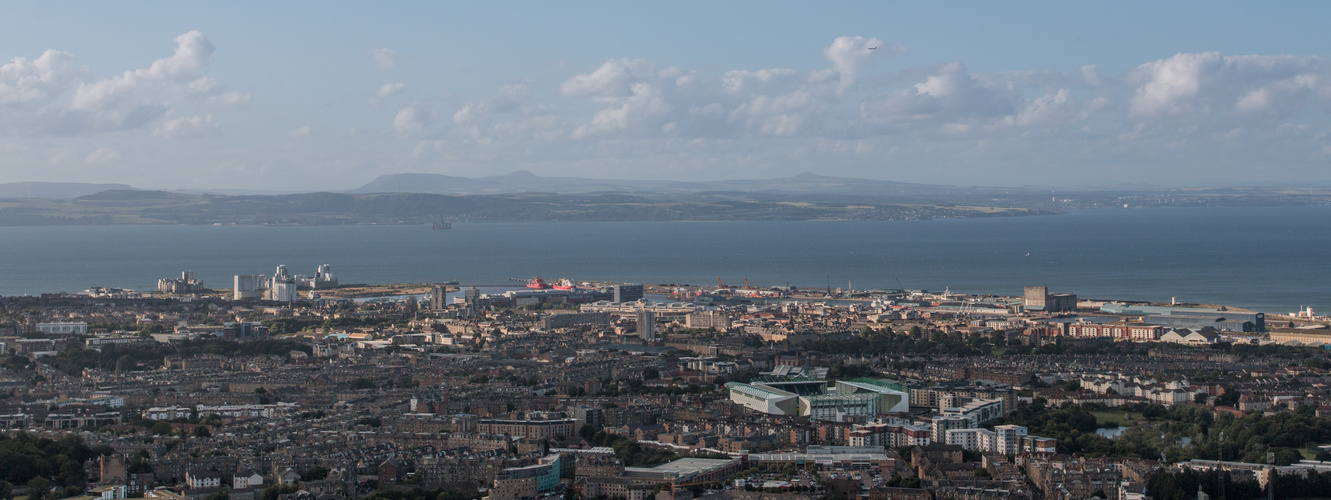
328 95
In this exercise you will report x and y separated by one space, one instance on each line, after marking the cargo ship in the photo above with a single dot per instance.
566 284
537 284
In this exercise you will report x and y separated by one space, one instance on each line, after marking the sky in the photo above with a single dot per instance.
305 96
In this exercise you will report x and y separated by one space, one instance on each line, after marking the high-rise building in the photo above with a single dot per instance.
627 292
247 286
282 290
438 298
707 319
1034 297
1038 298
323 278
646 325
1008 438
185 284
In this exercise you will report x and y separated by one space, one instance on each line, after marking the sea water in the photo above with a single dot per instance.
1273 259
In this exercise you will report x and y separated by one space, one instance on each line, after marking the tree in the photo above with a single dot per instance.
362 383
650 373
1200 398
279 489
161 428
38 488
201 432
6 490
315 473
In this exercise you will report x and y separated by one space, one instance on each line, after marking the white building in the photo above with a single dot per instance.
940 425
166 413
79 328
242 481
980 411
282 290
247 287
1008 439
981 440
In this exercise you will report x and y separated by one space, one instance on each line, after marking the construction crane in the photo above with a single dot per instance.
747 286
719 284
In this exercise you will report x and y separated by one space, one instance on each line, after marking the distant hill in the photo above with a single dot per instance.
527 182
55 189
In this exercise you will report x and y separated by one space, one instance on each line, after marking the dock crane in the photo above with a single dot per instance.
747 286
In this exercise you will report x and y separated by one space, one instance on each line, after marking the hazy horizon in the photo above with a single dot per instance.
305 96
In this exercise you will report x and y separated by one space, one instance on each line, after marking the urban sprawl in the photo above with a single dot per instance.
282 387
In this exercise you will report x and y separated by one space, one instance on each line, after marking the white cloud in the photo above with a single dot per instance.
121 95
848 53
59 158
386 91
1211 85
948 95
298 132
38 81
643 104
1172 85
385 59
186 128
390 90
48 96
507 99
613 79
103 155
229 100
411 119
850 111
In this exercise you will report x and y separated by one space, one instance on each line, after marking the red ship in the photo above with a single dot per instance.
565 284
537 284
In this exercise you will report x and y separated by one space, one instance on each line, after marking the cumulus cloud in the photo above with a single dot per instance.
1202 85
411 119
229 100
103 155
643 104
1211 94
636 97
863 110
25 82
509 98
384 59
298 132
1054 109
947 95
48 95
1171 85
186 128
123 95
848 53
390 90
386 91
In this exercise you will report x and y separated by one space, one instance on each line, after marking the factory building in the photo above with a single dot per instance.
1220 319
1038 298
247 287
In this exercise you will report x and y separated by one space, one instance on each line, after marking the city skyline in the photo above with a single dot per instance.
305 97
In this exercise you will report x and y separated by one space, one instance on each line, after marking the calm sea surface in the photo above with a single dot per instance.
1272 259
